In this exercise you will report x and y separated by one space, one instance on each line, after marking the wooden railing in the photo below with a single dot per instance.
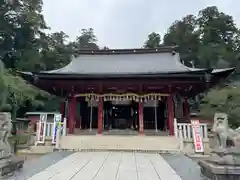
186 130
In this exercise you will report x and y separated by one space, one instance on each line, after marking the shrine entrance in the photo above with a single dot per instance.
120 115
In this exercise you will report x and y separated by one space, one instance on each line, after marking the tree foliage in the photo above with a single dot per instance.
19 92
26 47
209 40
153 41
223 100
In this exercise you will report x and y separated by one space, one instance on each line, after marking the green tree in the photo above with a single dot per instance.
20 33
26 47
184 34
20 29
87 40
210 40
56 52
218 33
223 100
19 92
153 41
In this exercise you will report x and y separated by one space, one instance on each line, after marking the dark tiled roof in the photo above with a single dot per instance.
145 63
128 63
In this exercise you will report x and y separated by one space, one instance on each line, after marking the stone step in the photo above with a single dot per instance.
138 143
36 150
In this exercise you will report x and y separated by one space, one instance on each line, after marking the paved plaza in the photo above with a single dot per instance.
109 166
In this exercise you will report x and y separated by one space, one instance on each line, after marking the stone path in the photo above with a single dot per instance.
109 166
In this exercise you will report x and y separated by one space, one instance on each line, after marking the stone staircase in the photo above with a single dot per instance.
120 143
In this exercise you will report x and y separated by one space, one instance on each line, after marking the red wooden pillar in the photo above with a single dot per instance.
72 115
185 107
100 115
170 115
140 118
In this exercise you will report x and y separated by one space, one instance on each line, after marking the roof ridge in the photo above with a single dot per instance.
161 49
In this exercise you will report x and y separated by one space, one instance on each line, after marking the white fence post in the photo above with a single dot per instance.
58 134
64 127
175 127
180 131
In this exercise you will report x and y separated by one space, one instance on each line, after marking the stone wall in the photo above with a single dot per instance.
5 117
189 146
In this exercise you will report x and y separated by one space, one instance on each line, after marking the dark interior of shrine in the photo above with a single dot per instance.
123 116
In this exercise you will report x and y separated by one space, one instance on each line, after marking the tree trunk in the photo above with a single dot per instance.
14 112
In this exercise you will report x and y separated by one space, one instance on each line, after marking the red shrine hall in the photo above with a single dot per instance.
135 89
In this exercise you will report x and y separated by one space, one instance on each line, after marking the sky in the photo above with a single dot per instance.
125 23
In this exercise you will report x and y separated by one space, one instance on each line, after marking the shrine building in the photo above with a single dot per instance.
135 89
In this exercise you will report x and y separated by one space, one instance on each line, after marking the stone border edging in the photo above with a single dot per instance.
120 150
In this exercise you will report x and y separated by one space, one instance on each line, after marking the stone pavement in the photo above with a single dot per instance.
109 166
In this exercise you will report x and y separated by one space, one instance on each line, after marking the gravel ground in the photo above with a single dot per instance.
35 164
187 168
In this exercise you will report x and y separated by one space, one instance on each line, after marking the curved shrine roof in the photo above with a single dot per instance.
127 62
124 64
120 62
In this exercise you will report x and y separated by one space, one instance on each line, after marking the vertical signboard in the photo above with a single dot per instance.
56 125
42 128
197 136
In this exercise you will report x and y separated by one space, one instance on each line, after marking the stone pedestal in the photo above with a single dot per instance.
8 162
10 165
224 164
